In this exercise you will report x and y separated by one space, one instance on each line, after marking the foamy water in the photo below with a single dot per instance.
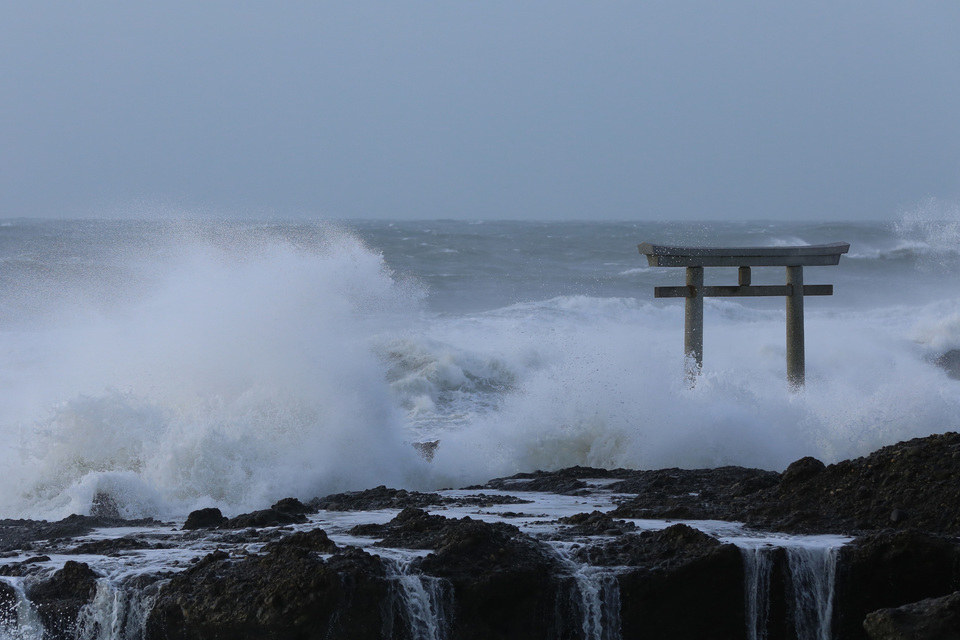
193 364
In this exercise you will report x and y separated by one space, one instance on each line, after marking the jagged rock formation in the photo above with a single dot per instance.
910 485
930 619
281 577
58 599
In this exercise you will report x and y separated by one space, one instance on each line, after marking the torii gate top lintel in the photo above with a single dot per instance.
659 255
794 258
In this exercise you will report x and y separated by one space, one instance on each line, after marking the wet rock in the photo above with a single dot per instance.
26 568
19 534
898 515
672 547
555 482
290 592
800 471
494 567
410 529
115 546
909 484
500 582
677 571
384 498
58 599
314 540
504 581
570 480
262 518
721 493
378 498
930 619
483 500
594 524
209 518
891 569
8 606
293 507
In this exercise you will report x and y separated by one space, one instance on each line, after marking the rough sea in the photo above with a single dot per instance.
183 364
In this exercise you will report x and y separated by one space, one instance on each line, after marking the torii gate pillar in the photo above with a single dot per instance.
796 360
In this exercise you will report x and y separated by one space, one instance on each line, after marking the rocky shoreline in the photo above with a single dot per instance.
482 562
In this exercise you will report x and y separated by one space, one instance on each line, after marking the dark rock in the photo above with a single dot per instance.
18 534
211 558
241 536
721 494
594 524
915 481
115 546
498 582
9 599
540 481
384 498
410 529
209 518
58 599
504 581
677 571
897 516
292 506
706 484
891 569
563 481
930 619
290 592
25 568
483 500
313 540
800 471
379 498
912 483
263 518
669 548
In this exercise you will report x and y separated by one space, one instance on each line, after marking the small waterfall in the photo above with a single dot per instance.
20 622
596 597
116 613
426 600
814 571
758 563
599 603
811 580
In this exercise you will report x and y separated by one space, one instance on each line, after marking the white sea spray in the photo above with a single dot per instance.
177 366
223 378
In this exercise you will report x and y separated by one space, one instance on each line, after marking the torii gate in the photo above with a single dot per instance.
793 258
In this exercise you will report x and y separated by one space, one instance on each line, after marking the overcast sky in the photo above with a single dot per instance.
701 109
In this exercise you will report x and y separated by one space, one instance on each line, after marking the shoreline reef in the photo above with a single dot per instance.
403 569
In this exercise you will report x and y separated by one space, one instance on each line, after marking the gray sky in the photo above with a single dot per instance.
701 109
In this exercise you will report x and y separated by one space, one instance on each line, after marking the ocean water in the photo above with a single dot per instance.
184 364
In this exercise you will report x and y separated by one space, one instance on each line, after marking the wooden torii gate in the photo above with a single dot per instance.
793 258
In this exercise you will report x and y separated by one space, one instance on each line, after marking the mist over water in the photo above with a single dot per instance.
193 364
